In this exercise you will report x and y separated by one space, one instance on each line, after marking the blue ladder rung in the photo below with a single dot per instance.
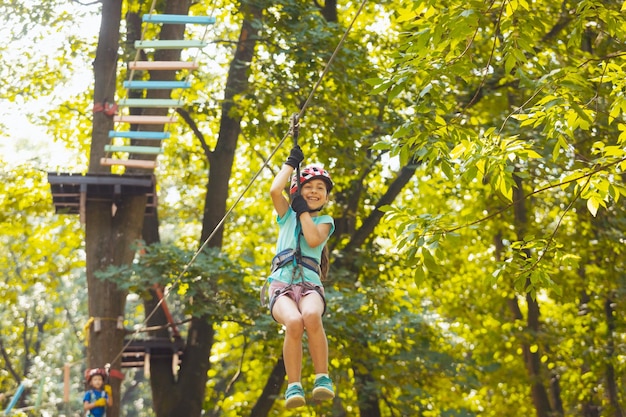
170 44
178 19
155 85
149 102
146 150
138 134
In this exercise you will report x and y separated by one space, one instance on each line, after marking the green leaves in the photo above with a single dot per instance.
208 283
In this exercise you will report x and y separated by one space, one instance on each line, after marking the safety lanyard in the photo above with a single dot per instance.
298 269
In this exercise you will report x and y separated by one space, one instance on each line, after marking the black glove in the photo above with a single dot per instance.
299 205
295 157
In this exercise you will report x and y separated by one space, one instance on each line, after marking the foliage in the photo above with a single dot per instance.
512 115
565 110
42 311
208 283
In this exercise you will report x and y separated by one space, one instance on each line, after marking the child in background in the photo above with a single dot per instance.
99 396
295 285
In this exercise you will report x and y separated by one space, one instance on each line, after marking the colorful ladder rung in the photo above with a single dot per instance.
143 120
170 44
145 150
178 19
157 85
139 134
130 163
162 65
149 102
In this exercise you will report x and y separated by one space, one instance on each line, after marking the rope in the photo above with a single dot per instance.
265 164
137 53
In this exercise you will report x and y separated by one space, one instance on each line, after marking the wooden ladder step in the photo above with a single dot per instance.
162 65
130 163
178 19
170 44
145 150
139 134
144 120
157 85
149 102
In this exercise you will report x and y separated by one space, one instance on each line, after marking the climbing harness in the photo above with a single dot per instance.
288 255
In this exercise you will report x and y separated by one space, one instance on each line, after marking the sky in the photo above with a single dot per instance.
23 141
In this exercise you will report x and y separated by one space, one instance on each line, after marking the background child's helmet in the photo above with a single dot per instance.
90 373
310 173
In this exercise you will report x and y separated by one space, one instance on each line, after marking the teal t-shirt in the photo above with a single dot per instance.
289 229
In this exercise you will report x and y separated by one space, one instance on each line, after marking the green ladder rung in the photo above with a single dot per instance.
157 85
146 150
149 102
178 19
170 44
162 65
138 134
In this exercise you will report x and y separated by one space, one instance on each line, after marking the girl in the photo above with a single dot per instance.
297 294
99 396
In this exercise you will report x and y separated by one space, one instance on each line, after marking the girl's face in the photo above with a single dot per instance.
314 193
97 381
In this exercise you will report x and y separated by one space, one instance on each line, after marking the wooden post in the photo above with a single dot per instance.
66 387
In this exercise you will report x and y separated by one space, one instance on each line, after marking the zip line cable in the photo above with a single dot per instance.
168 290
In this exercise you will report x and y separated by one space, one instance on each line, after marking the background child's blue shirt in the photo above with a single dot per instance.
91 396
287 234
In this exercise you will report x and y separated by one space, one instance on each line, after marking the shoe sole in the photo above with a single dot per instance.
322 394
295 402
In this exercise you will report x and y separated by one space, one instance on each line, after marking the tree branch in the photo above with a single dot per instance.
8 363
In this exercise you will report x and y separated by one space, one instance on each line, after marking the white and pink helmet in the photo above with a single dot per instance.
309 173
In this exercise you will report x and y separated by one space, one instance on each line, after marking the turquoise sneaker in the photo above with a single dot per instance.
294 397
323 389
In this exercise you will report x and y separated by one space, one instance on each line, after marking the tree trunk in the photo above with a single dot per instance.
366 390
271 391
105 73
221 160
185 396
108 242
110 235
611 386
107 236
532 360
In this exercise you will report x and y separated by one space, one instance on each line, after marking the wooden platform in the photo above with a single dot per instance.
134 354
71 191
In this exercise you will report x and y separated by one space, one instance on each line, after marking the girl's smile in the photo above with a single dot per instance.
314 193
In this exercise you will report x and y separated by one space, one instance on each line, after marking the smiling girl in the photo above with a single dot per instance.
297 294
